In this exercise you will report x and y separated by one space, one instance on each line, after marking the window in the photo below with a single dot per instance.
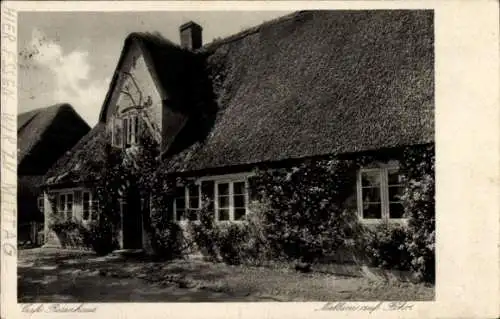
66 205
239 200
231 200
371 194
194 201
229 196
126 130
395 191
187 202
89 207
379 194
179 204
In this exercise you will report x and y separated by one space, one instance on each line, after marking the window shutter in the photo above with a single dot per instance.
125 131
117 132
136 129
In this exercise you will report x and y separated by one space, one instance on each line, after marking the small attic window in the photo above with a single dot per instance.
126 130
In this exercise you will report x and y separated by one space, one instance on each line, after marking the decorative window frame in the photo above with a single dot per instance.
383 170
218 179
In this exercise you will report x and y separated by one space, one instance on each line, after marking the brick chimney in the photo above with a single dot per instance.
191 35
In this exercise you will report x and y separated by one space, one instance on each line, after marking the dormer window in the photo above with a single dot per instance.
126 130
131 129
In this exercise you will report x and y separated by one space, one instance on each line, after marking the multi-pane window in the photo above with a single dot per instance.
239 200
126 130
65 205
379 193
194 201
89 207
180 205
371 194
395 191
223 199
187 203
131 129
230 199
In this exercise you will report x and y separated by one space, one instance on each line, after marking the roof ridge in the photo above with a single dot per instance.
41 109
251 30
19 129
154 37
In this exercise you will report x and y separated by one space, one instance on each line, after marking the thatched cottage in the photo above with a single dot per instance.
306 85
44 135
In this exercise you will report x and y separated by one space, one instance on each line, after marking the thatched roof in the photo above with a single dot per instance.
173 67
83 162
44 135
309 84
322 82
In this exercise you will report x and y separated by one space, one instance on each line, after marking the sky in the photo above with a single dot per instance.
70 57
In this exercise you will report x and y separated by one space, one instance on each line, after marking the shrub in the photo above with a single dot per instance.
64 226
419 202
230 239
96 235
165 237
305 219
100 238
256 248
385 247
203 232
233 243
69 233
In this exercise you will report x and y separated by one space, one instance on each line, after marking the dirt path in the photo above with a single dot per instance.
55 276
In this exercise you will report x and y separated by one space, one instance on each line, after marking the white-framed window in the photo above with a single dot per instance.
180 205
193 201
89 207
40 203
131 129
379 193
126 130
231 199
229 196
186 202
65 205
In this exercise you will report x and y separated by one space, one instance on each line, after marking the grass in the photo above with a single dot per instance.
283 284
54 275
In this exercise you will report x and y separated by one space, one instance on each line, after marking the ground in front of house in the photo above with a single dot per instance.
52 275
